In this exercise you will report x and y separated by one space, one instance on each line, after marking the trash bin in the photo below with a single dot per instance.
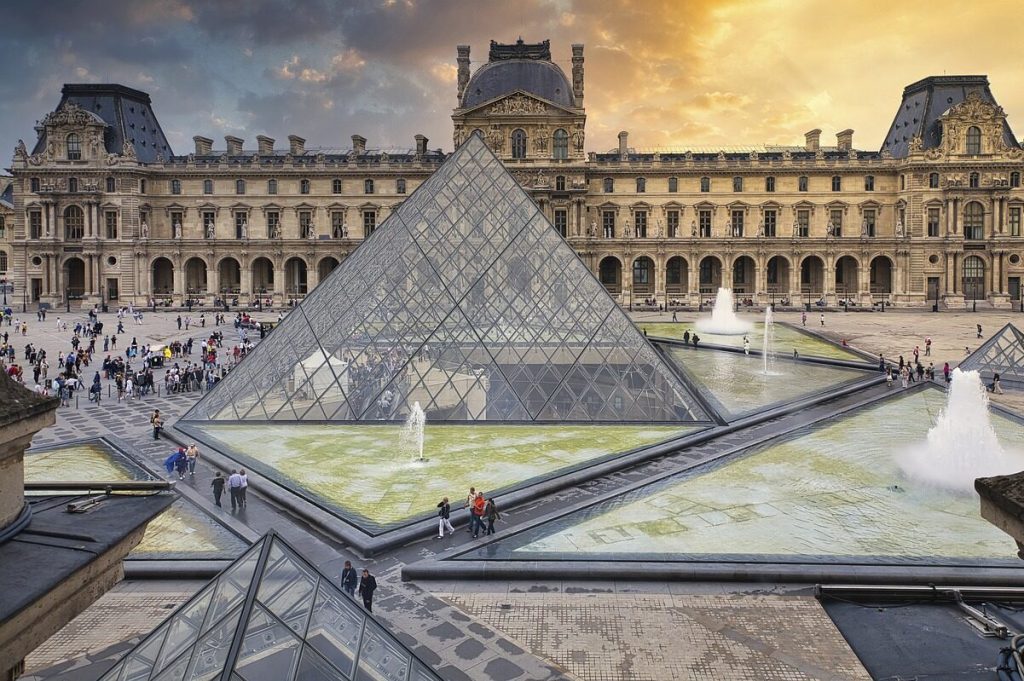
807 306
935 307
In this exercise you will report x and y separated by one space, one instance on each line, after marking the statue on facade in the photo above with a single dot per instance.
211 231
864 228
276 234
245 229
693 229
900 233
311 232
830 230
20 151
577 137
629 229
540 140
177 230
661 231
145 230
128 152
541 180
593 228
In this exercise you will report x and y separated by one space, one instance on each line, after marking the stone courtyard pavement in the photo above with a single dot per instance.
574 631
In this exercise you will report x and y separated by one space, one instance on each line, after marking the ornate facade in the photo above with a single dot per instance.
102 210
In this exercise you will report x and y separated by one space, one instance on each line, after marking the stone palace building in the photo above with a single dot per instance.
101 210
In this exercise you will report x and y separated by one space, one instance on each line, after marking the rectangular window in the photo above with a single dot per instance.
142 186
562 222
608 222
737 184
933 222
673 223
273 225
837 183
1015 221
641 224
869 221
305 223
673 184
869 183
802 183
835 216
209 224
3 227
803 223
933 181
769 184
705 184
369 222
338 224
110 219
241 220
704 223
737 223
771 218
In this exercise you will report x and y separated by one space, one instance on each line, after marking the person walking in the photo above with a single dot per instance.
945 372
192 454
928 346
979 330
997 385
234 484
803 318
823 319
470 498
349 578
218 487
479 505
367 585
157 422
491 513
243 488
746 345
181 463
443 518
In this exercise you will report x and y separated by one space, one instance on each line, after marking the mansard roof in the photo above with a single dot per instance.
924 103
520 66
128 114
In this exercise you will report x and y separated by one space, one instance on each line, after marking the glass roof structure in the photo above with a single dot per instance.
467 301
1001 354
270 615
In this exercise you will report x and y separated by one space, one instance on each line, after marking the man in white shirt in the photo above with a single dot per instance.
234 487
243 488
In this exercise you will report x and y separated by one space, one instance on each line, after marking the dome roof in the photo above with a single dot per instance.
499 78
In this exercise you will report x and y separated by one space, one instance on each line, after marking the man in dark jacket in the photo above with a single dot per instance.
349 579
218 487
443 518
367 585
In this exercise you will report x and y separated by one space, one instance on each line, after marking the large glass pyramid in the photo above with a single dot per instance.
467 301
1001 354
270 615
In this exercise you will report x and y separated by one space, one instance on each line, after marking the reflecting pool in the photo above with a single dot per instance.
787 338
831 493
361 470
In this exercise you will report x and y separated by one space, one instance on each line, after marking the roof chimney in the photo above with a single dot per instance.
234 145
623 144
296 145
204 145
813 140
844 140
266 145
463 62
358 144
421 145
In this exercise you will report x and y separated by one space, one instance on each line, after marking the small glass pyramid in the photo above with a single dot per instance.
467 301
1001 354
270 615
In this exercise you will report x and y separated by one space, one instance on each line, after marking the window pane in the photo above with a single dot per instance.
269 650
287 589
335 628
380 658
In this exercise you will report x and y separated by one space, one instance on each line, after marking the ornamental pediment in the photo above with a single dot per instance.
518 103
975 109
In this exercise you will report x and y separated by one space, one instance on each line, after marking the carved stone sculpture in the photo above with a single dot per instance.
145 230
177 230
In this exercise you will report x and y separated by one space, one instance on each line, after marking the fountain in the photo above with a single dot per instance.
412 434
962 445
723 317
768 342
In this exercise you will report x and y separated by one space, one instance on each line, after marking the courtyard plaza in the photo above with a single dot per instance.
495 630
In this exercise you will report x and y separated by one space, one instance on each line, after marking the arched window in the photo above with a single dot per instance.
974 278
73 185
74 223
518 144
974 221
303 186
802 183
737 184
271 186
336 186
933 180
642 271
641 185
560 183
560 147
367 186
769 184
974 140
705 184
74 147
400 186
1015 179
239 186
673 185
609 185
207 186
111 185
175 186
837 183
973 180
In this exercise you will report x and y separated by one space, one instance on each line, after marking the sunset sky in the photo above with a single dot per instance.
675 74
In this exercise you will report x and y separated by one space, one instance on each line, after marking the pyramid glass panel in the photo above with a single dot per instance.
1001 354
270 595
467 301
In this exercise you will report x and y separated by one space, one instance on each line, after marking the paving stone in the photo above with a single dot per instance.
503 670
470 649
445 632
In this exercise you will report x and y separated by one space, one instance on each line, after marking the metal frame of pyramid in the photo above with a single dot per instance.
467 301
270 615
1001 354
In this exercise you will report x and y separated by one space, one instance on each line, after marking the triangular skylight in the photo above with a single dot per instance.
467 301
1001 354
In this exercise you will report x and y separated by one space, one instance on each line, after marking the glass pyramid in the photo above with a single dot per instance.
1001 354
467 301
270 615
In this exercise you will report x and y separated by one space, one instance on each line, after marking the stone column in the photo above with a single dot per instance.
178 276
245 277
660 278
279 278
213 280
